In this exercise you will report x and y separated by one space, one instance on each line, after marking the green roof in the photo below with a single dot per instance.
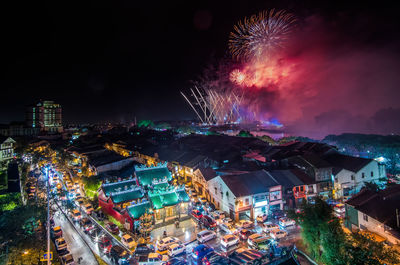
160 186
137 210
156 201
125 196
146 176
169 199
183 195
113 187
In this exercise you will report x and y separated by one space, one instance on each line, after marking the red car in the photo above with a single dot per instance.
244 234
105 244
112 228
208 222
197 214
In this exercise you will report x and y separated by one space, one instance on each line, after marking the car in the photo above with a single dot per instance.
88 208
218 216
255 238
205 235
229 240
163 244
76 185
112 228
67 260
175 249
200 251
286 222
95 234
240 258
197 214
60 243
128 241
263 244
176 261
244 224
277 213
153 259
119 254
76 215
56 231
86 224
79 202
268 227
262 218
105 244
245 233
202 199
278 234
143 249
63 252
214 258
228 229
208 222
228 221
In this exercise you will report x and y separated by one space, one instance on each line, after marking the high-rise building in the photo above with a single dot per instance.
45 115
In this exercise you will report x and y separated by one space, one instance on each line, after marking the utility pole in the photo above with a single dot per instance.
48 217
397 218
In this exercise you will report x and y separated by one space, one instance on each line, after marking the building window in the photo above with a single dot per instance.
301 188
372 173
352 177
365 217
363 175
247 201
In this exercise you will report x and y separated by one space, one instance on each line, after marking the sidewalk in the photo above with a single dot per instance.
186 232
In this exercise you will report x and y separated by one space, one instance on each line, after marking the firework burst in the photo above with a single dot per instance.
261 34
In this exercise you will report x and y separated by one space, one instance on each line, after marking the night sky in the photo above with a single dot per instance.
111 61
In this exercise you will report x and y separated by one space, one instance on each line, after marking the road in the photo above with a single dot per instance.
75 243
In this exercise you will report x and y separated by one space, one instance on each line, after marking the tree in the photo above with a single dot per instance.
145 123
371 186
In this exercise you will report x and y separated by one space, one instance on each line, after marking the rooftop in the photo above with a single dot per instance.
350 163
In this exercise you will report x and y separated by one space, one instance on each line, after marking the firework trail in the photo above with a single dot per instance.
261 34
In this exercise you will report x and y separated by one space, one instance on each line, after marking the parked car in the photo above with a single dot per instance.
244 224
286 222
56 231
228 229
153 259
86 224
208 222
112 228
119 254
76 215
202 199
67 260
255 238
63 252
127 241
197 214
60 243
268 227
200 251
262 218
88 208
277 213
218 216
163 244
278 234
175 249
263 244
215 258
228 221
144 249
229 240
205 235
105 244
245 233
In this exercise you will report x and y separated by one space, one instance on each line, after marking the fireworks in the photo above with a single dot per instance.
261 34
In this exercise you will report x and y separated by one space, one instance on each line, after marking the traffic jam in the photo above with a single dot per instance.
219 241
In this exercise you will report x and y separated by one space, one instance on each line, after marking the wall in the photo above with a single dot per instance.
375 226
114 166
216 185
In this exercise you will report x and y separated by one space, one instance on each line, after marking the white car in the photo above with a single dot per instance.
254 238
88 208
205 235
268 227
60 243
127 241
227 229
278 234
286 222
244 224
163 244
155 259
229 240
262 218
175 249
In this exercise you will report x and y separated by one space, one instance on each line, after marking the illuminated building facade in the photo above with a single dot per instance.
45 115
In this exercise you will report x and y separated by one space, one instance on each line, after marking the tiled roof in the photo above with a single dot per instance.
208 173
118 186
147 176
137 210
350 163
